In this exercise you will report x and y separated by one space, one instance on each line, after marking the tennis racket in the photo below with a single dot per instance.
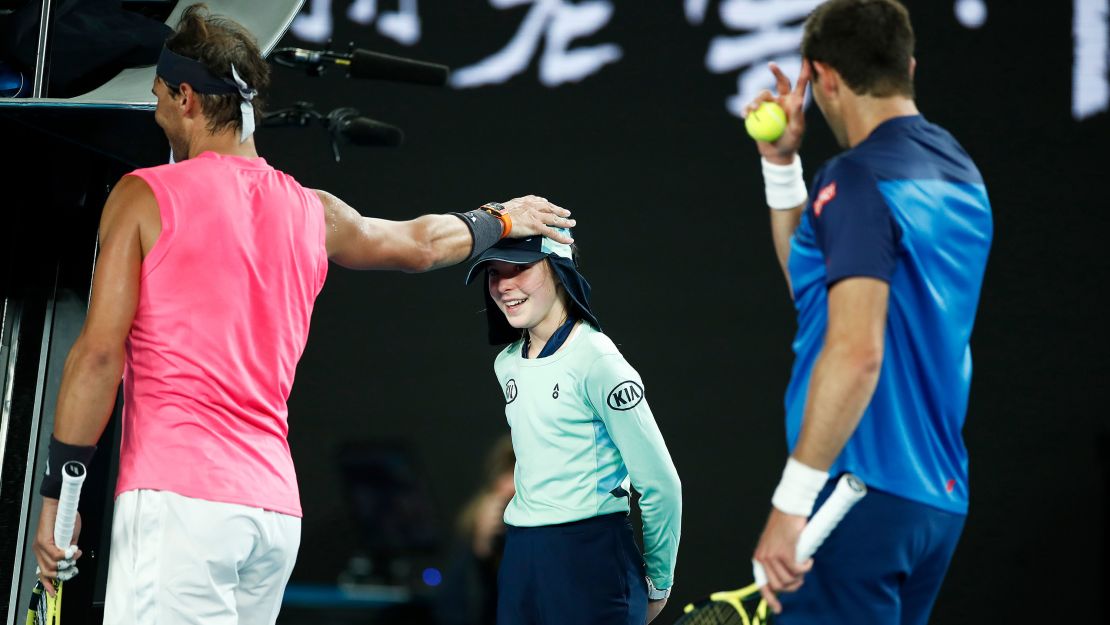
44 609
746 606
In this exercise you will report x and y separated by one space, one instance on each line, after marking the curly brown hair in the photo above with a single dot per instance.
869 42
219 43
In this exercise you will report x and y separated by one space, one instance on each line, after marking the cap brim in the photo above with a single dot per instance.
516 257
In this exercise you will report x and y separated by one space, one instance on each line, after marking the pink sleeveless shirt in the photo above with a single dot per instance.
225 298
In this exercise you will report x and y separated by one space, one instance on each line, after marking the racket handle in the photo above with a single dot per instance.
73 475
849 490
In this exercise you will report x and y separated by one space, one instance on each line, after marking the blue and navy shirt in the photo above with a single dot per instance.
909 207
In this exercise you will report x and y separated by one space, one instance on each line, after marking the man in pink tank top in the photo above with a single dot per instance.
201 301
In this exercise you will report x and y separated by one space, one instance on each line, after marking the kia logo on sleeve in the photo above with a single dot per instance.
510 391
625 396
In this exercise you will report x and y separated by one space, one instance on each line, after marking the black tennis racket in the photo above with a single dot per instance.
44 609
746 606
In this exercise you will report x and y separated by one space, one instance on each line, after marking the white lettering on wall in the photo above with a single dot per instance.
971 13
768 30
402 25
1090 76
554 24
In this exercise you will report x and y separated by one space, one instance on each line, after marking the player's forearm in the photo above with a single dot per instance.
841 386
786 193
416 245
783 225
90 381
444 240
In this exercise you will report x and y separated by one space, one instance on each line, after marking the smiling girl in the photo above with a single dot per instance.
583 435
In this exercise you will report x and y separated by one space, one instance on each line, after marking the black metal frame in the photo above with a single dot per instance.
49 249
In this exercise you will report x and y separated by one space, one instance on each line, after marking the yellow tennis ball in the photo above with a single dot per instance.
766 123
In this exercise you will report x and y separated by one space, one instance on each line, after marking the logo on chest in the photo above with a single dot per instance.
510 391
625 396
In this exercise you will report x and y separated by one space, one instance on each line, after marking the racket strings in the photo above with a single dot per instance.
737 607
713 613
44 609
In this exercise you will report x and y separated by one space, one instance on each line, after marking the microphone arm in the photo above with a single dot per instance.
361 63
314 62
300 114
346 123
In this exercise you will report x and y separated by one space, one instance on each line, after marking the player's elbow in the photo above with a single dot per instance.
95 357
868 361
864 360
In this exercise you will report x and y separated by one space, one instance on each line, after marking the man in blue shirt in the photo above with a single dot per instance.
885 261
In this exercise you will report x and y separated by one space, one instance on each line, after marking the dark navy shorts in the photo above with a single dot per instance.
581 573
883 565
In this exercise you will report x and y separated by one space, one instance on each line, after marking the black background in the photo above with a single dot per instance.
674 235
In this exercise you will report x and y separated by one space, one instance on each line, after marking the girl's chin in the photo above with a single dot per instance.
518 321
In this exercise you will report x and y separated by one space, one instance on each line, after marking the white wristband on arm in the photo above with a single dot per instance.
784 185
799 488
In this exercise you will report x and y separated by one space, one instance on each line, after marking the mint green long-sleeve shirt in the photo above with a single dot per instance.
582 432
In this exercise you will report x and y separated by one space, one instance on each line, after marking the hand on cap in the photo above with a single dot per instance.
533 215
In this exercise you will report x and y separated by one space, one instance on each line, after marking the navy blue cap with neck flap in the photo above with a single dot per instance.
530 250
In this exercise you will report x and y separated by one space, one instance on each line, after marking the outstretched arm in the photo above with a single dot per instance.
427 242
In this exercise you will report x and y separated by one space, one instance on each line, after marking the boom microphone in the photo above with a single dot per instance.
359 130
367 64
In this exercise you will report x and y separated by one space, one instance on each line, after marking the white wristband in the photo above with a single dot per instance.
799 488
784 185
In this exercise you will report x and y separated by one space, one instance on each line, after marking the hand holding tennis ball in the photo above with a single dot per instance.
766 123
777 119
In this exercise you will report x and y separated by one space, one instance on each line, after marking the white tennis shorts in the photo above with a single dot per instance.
178 560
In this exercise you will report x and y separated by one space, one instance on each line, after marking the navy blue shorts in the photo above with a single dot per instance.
883 565
581 573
